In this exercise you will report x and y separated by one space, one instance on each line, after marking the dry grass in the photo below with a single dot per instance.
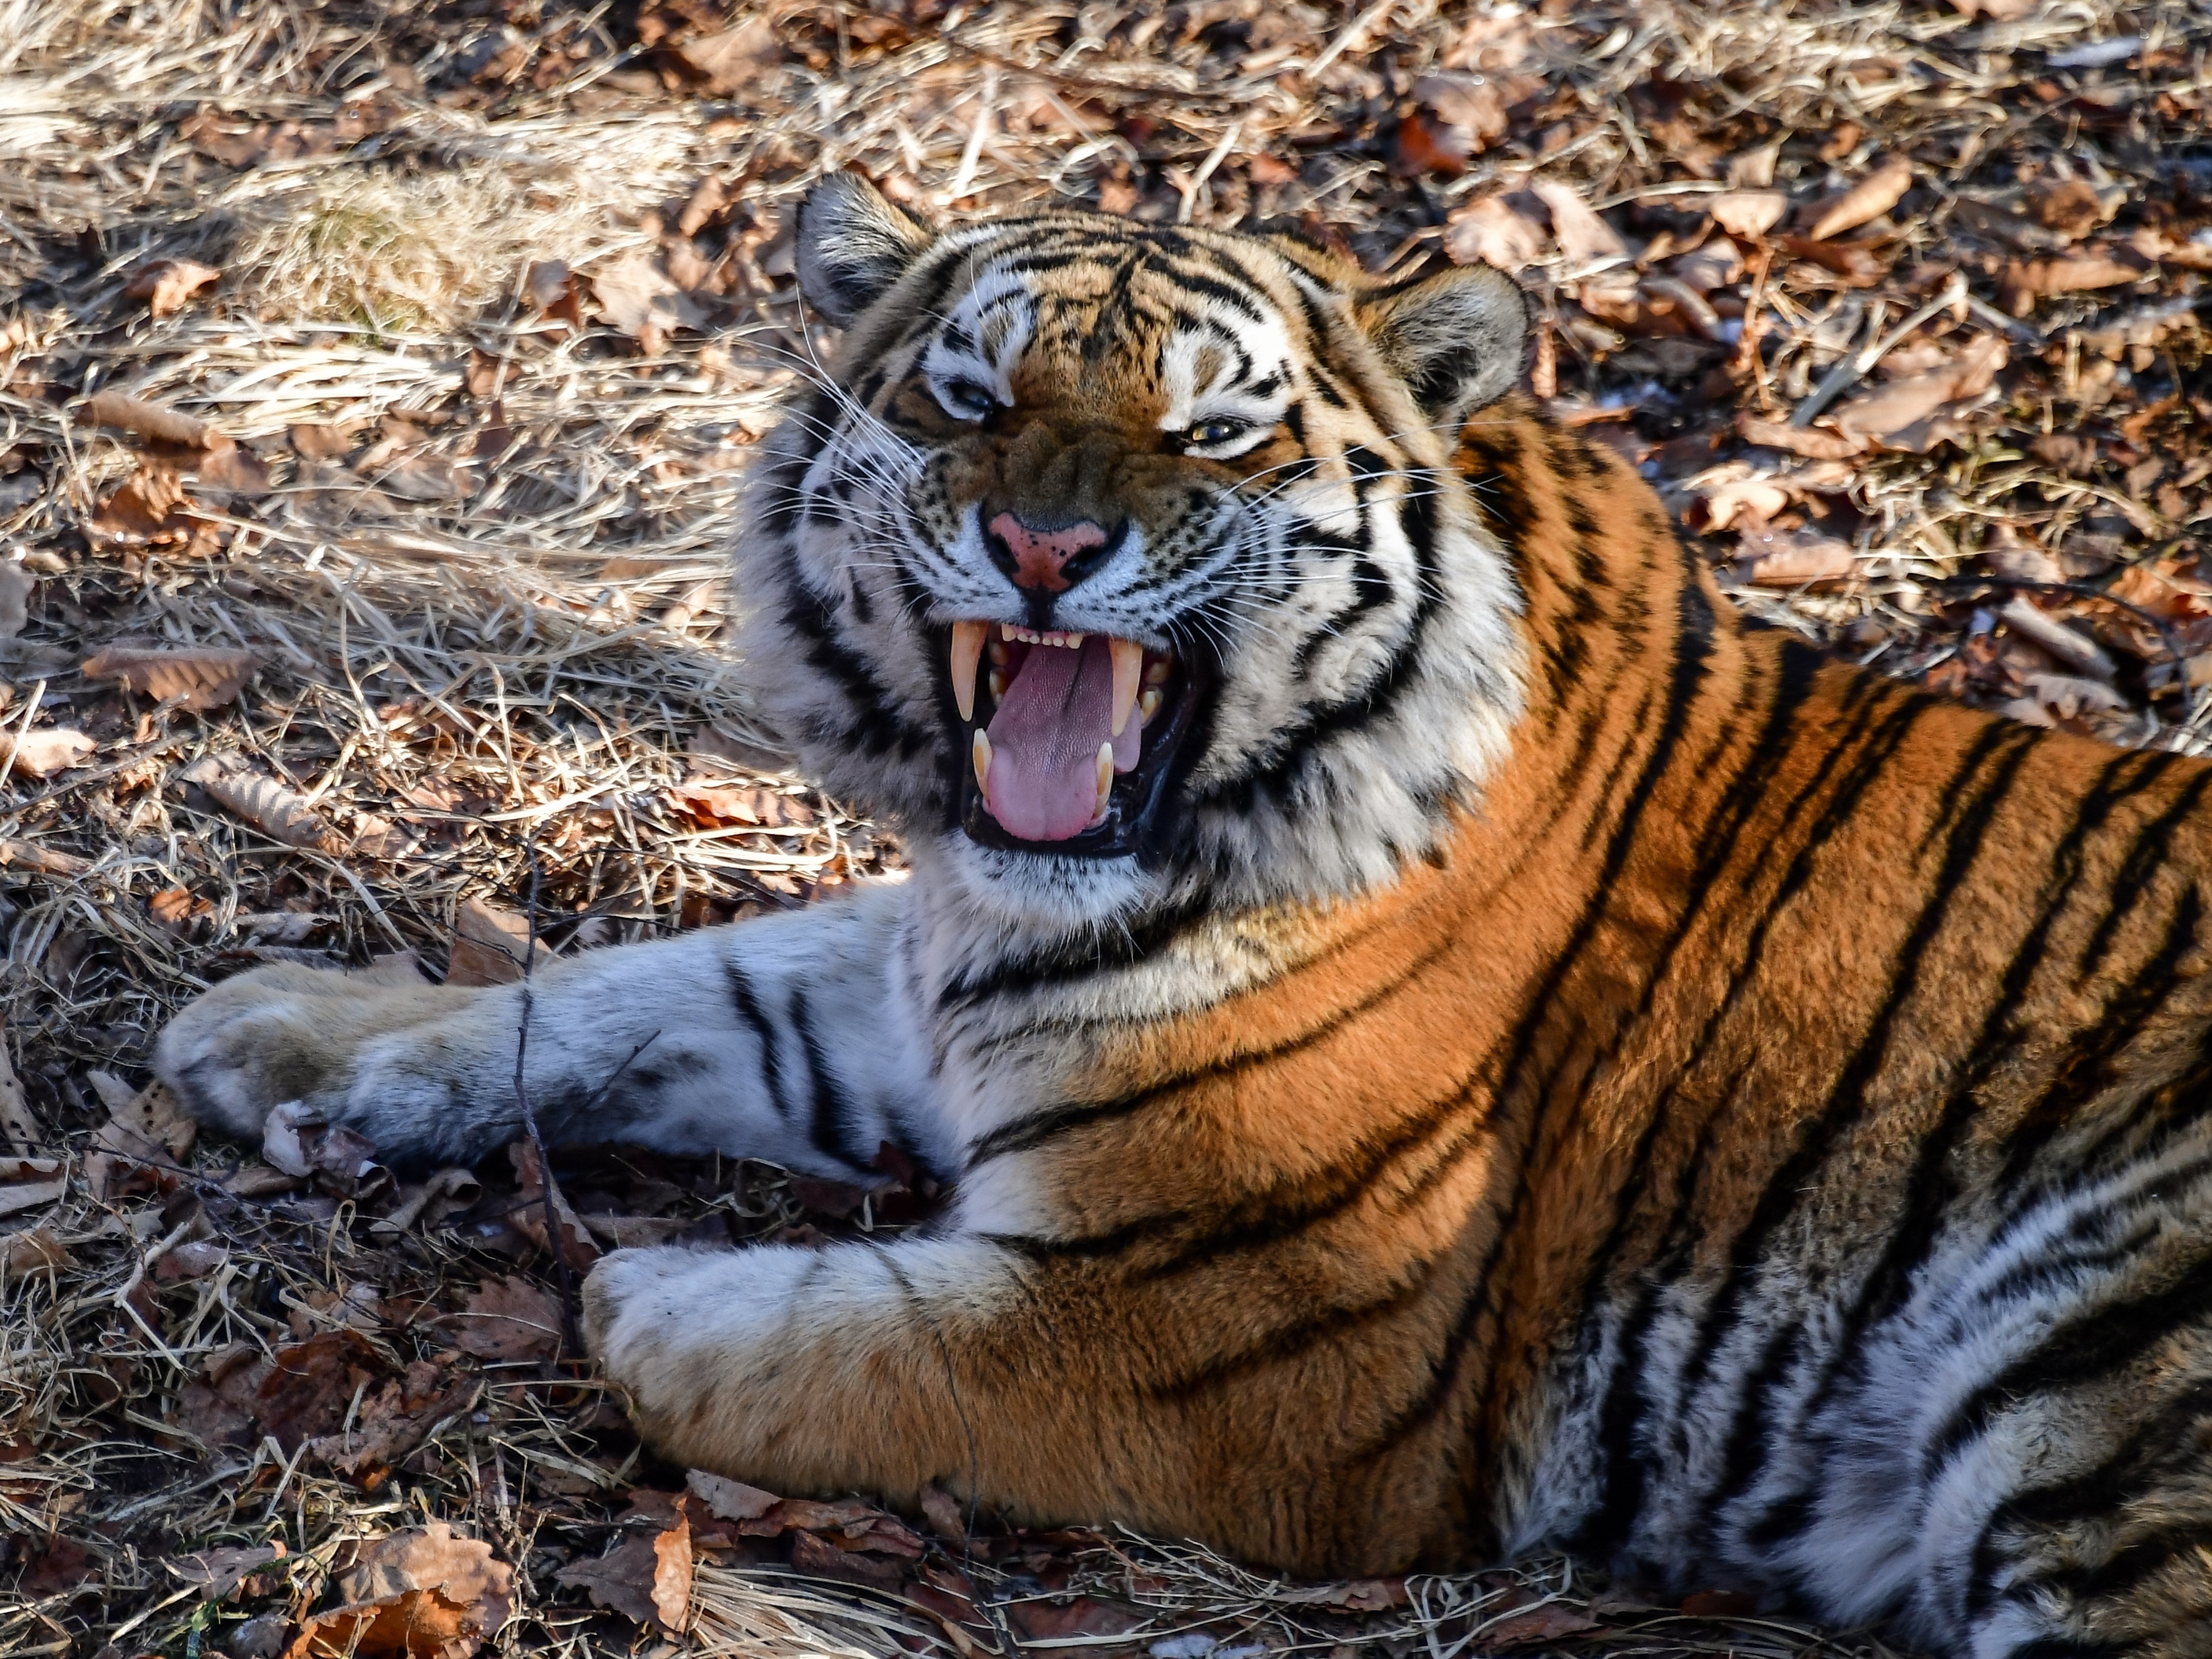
505 296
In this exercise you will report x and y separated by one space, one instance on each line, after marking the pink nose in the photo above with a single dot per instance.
1040 555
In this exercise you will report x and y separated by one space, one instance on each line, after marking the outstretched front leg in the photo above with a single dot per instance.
790 1038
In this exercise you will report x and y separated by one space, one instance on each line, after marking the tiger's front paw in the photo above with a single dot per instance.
279 1033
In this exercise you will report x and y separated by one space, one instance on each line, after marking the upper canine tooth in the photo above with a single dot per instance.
1149 704
1129 670
967 647
1105 780
979 752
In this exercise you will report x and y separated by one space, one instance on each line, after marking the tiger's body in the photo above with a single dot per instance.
1523 1058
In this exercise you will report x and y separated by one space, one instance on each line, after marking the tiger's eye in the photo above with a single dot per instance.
1219 431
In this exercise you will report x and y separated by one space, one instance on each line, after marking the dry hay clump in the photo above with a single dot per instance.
376 387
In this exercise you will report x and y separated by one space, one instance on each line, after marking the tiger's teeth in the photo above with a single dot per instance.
1129 670
1105 780
1149 704
967 648
979 752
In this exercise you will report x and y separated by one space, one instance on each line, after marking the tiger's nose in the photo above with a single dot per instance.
1039 558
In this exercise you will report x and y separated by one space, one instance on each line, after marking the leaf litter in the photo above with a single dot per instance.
376 390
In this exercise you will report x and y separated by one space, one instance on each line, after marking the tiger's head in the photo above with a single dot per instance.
1126 565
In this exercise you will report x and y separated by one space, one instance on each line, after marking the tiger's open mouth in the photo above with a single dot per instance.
1069 737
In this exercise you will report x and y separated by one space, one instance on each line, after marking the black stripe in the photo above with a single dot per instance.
749 1009
2144 860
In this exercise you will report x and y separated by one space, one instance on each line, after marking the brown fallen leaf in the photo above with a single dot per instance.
733 1500
1783 558
636 296
278 811
423 478
1547 1623
507 1317
310 1385
150 421
2024 281
1868 200
217 1572
528 1216
732 59
631 1232
47 749
236 471
552 288
198 678
16 1123
1816 443
151 509
394 1418
168 285
1749 214
490 945
151 1113
1583 237
2070 206
1491 232
30 1183
425 1593
1890 414
32 1250
315 442
647 1577
1997 11
15 586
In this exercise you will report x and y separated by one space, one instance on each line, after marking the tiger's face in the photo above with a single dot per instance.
1123 564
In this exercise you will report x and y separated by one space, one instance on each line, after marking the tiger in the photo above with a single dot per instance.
1446 1040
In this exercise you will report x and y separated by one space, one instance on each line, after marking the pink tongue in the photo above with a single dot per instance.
1045 737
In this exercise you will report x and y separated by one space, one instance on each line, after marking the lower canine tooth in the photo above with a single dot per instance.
979 752
1149 704
1105 780
967 647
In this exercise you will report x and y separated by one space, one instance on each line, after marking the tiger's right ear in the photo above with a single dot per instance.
852 244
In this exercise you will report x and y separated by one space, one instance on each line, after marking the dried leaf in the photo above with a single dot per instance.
47 749
2070 206
168 285
151 1113
1816 443
647 1577
732 59
507 1318
636 296
1868 200
1719 1604
32 1250
1492 233
2071 696
422 1594
315 442
16 1122
2024 281
1547 1623
425 478
150 421
310 1386
1749 214
395 1417
274 809
30 1183
1775 558
528 1216
198 678
217 1572
490 945
731 1500
1585 238
235 471
1888 413
15 586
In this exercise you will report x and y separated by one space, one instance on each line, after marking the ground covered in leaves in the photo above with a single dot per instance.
376 388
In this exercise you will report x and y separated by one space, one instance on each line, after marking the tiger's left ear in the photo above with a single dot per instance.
1456 338
854 244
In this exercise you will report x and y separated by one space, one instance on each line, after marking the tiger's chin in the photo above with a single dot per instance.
1072 743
